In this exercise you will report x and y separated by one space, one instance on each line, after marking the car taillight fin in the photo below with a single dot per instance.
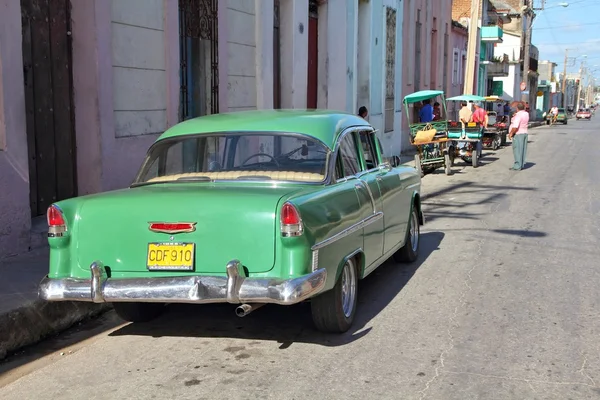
291 222
56 221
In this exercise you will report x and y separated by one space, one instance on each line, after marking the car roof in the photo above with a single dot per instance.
324 125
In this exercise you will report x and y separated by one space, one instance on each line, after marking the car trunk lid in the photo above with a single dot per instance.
229 222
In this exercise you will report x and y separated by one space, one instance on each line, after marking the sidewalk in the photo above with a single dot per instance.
25 319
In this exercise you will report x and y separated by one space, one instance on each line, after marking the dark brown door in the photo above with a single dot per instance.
313 54
48 101
276 58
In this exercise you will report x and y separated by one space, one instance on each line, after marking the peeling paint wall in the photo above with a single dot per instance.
15 218
241 45
138 63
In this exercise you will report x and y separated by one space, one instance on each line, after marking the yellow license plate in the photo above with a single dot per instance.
470 124
170 256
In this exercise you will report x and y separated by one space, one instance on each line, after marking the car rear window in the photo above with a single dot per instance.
236 156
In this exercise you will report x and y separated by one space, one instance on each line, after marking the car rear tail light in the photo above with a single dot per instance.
291 223
56 221
172 227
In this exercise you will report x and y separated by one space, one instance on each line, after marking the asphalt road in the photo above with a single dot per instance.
502 304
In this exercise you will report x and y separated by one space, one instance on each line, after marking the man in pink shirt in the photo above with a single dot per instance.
518 134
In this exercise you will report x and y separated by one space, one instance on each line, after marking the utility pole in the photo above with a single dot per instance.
564 81
527 43
579 87
472 48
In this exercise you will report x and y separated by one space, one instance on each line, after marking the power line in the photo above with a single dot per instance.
565 26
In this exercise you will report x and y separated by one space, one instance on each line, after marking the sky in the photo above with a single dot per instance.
575 27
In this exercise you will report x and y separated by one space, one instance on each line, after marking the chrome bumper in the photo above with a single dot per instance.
235 288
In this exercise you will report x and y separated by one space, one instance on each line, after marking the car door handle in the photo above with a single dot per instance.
379 179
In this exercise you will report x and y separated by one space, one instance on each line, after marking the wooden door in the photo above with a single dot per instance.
313 54
48 101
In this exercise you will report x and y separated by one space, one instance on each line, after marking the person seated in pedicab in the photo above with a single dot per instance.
426 112
464 115
437 111
479 115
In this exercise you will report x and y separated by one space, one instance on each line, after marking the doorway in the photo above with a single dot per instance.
313 55
48 81
199 53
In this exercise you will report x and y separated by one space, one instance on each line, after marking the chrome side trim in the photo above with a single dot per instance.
348 231
196 289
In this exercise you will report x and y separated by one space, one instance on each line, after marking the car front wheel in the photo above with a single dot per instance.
410 251
334 310
138 312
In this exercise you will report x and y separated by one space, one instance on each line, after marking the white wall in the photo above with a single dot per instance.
511 46
241 46
139 77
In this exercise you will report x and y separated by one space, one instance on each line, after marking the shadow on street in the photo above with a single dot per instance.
287 324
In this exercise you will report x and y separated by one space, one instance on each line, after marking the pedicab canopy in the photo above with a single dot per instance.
422 95
466 97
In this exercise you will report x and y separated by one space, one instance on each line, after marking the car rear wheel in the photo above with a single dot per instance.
138 312
334 310
410 251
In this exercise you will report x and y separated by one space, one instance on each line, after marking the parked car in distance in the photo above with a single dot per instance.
561 117
583 113
247 208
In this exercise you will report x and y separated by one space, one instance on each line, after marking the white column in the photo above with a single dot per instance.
294 53
323 57
364 55
426 36
264 53
351 55
341 50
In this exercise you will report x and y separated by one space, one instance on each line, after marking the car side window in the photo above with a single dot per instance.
349 155
368 149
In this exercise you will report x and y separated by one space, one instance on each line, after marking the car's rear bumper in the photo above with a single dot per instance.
235 288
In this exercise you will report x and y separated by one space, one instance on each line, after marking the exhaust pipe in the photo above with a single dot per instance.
245 309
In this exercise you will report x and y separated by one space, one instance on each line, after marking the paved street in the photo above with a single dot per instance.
502 304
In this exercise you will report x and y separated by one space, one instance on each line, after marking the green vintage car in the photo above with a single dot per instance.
247 208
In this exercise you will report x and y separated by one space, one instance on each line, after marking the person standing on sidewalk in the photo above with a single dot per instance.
519 135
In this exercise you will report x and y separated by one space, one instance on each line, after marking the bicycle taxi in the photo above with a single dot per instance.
465 143
430 138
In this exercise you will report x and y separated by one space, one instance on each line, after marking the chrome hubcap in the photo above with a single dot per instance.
348 288
414 231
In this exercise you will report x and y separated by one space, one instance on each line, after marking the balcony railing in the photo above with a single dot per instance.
497 69
491 34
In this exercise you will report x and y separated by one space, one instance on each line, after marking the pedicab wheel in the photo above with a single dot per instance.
418 166
447 164
451 155
496 142
474 158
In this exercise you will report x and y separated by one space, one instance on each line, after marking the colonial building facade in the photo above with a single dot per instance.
87 86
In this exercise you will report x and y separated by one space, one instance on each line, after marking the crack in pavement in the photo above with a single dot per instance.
583 372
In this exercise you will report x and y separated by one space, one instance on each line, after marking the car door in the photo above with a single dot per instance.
368 176
395 199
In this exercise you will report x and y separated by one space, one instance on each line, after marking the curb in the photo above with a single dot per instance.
39 319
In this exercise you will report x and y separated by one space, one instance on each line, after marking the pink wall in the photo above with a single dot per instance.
15 215
458 39
105 162
429 9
